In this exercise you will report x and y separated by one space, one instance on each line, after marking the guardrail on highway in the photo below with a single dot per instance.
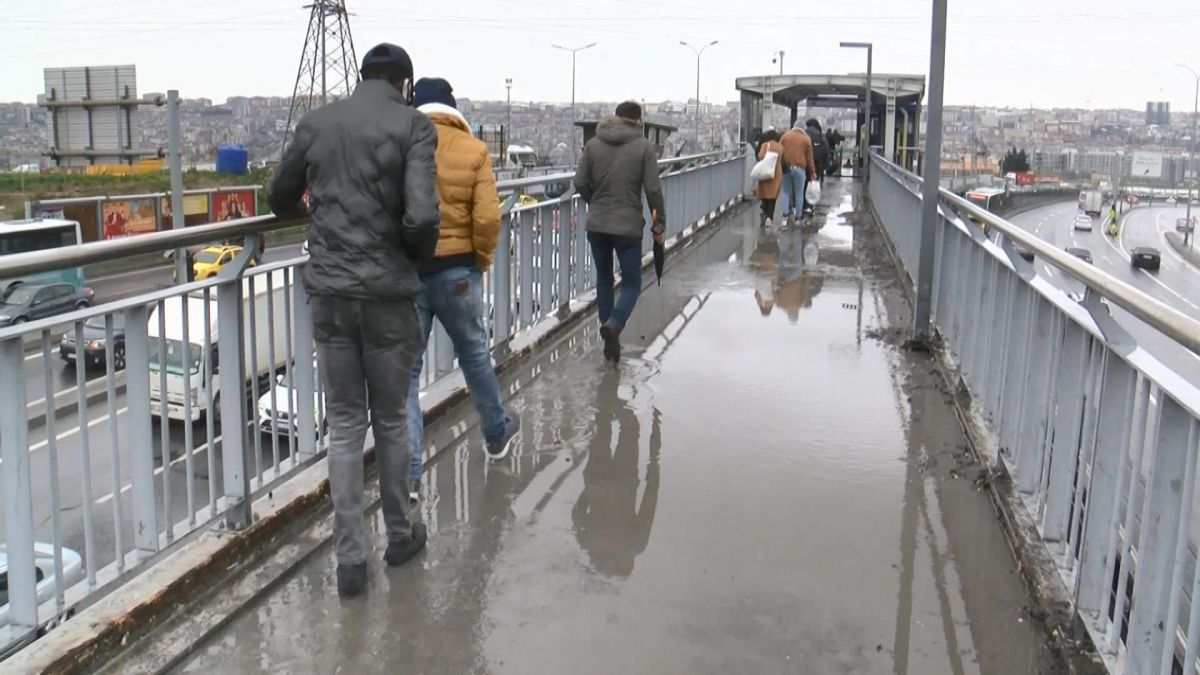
115 484
1100 437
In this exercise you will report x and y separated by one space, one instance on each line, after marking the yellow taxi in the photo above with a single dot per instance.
208 261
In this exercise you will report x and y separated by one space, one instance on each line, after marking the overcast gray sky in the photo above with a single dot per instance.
1089 53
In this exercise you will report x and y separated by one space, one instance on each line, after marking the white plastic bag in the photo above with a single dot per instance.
812 194
765 168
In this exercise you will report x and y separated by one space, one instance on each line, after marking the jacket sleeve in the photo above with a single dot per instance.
485 209
653 187
286 188
812 166
583 177
419 227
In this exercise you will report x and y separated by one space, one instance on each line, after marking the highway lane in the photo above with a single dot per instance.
1177 284
108 289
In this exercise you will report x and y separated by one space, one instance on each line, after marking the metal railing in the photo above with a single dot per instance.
1099 436
126 465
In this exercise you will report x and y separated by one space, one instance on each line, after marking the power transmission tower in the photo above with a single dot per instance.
328 66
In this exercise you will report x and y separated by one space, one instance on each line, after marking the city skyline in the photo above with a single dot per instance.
1097 54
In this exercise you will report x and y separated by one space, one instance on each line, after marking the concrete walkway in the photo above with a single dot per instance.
767 484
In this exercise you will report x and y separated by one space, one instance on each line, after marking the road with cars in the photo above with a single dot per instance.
63 377
1176 283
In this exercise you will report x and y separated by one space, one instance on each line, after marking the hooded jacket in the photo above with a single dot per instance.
466 186
367 162
820 147
617 166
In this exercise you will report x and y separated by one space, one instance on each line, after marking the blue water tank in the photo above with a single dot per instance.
232 158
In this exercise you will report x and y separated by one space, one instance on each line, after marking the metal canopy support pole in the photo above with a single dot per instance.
932 177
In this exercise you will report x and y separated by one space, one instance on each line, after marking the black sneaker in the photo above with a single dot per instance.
400 552
414 491
611 334
499 449
351 579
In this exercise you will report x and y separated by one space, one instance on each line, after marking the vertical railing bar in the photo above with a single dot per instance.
252 342
52 459
271 355
189 441
165 419
85 456
288 366
1112 566
210 416
110 367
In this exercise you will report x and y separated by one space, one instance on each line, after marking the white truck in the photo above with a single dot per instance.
192 383
1093 202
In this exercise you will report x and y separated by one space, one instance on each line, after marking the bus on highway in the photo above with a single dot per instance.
26 236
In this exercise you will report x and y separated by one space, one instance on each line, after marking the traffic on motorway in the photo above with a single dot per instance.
1139 254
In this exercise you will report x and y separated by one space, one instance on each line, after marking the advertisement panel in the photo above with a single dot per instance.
1049 178
1147 164
124 218
232 205
195 210
1024 178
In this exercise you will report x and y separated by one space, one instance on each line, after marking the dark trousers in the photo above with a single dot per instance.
628 254
365 352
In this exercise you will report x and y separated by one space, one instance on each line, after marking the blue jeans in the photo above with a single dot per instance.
628 252
455 297
794 182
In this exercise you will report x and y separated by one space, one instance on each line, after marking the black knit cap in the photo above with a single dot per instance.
387 55
630 110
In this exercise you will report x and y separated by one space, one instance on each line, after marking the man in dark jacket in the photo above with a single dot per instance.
367 162
820 147
617 166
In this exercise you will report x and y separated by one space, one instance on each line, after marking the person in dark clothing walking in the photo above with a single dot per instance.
820 147
368 164
617 166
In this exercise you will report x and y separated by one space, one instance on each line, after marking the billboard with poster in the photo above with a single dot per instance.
128 217
232 205
1146 165
195 210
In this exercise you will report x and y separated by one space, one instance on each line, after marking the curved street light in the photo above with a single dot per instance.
574 51
699 52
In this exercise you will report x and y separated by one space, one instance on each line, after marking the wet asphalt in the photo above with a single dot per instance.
768 483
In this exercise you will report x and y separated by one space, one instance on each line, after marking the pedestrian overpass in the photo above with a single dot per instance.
776 478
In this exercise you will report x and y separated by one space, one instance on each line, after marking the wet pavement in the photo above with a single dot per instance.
768 483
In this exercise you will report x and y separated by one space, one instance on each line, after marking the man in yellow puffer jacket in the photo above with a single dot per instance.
451 281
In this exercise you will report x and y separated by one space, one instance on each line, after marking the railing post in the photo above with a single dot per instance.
235 461
18 495
929 190
502 278
306 385
141 434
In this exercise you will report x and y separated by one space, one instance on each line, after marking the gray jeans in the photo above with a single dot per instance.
365 351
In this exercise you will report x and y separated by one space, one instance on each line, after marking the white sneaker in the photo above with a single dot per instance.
769 223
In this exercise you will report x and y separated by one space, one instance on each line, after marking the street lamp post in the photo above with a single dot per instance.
507 120
775 56
866 141
1189 235
699 51
574 51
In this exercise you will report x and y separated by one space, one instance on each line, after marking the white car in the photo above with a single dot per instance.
43 562
284 423
1170 200
1083 222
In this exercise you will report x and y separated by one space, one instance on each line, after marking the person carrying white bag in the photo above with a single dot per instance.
768 174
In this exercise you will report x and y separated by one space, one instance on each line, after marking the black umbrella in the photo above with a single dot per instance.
660 249
660 257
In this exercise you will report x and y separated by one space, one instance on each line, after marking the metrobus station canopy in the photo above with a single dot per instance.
895 105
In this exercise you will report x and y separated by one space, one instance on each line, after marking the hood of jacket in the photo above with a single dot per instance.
618 131
440 113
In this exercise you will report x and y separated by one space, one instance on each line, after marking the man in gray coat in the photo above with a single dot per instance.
367 162
617 166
